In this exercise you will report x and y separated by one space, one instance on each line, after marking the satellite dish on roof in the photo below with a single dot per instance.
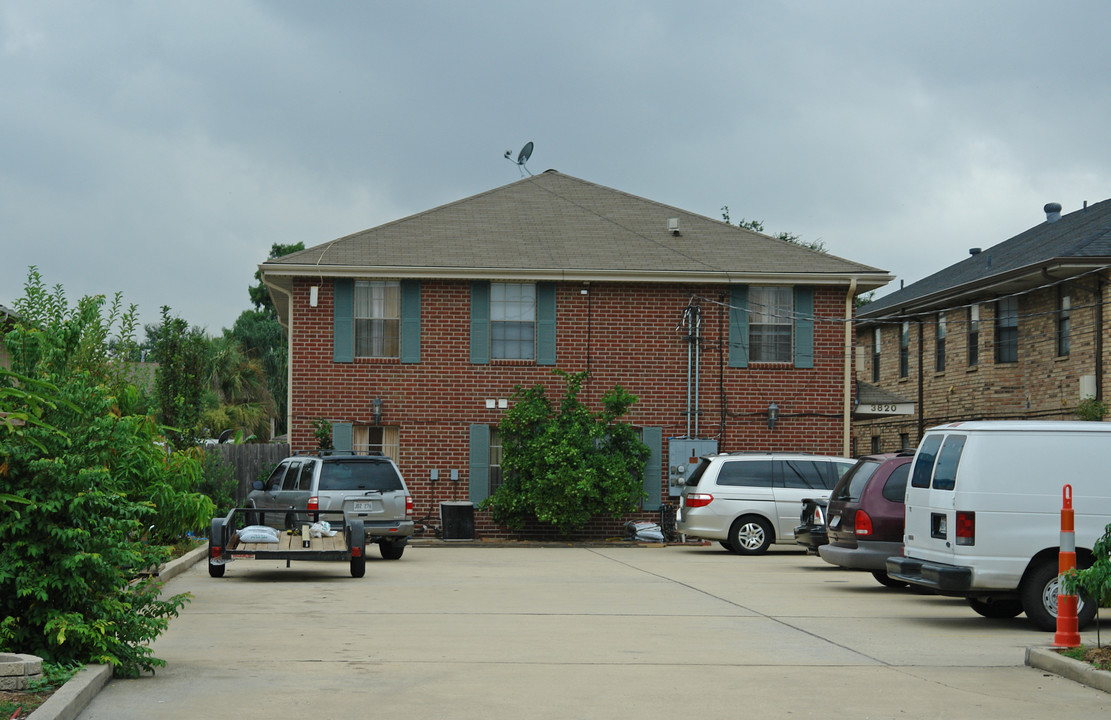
522 157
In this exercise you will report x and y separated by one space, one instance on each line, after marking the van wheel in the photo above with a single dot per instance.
750 535
1039 598
727 545
887 581
997 607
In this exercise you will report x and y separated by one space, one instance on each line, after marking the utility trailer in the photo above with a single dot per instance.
347 544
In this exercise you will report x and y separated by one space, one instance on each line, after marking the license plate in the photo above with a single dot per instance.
835 522
363 506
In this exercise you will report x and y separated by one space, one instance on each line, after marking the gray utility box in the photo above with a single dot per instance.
682 459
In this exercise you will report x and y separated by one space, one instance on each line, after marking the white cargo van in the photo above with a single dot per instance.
983 512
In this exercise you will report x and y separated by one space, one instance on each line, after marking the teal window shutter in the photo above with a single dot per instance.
653 469
341 436
343 325
804 326
479 482
545 323
480 323
738 326
410 321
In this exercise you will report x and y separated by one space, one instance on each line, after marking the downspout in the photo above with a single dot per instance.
1099 337
921 410
289 358
850 301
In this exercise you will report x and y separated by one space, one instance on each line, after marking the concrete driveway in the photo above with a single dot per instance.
514 631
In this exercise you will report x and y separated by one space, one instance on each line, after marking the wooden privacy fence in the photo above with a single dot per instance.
249 461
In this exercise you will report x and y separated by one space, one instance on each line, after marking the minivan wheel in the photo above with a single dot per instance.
1039 598
750 535
887 581
997 607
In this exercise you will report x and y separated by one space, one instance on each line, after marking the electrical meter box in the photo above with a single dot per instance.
682 459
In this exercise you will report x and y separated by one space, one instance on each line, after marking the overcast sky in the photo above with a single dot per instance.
159 149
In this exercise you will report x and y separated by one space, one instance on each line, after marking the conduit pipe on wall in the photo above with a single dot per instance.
850 302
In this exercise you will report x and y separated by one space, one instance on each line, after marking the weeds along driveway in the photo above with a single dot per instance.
584 632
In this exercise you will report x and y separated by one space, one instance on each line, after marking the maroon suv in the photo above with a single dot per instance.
864 519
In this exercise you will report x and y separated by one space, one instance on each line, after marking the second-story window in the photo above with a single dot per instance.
512 321
770 322
939 344
973 335
1006 330
1064 312
904 350
377 318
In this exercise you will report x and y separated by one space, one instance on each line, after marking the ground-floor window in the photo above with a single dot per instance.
371 439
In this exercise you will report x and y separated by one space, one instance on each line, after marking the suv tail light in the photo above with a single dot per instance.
408 506
694 500
314 504
966 527
862 524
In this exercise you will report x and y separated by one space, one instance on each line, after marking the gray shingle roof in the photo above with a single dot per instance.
561 226
1082 237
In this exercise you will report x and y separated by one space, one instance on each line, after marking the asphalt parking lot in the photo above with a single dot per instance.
515 631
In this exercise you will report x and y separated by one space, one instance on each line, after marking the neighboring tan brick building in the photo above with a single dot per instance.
410 337
1016 331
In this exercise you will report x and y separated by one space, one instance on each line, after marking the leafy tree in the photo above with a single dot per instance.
263 339
259 293
96 503
757 226
562 466
240 397
180 378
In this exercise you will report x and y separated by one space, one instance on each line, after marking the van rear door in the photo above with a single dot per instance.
933 529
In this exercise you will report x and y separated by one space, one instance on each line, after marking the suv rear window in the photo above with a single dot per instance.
895 489
852 485
359 475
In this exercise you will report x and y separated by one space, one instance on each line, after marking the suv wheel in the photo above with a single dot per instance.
391 550
750 535
1039 598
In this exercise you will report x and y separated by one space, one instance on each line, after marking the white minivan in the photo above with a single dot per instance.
983 512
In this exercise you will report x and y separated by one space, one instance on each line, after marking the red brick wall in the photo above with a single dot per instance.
624 334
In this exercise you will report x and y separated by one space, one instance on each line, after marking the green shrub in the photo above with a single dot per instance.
564 466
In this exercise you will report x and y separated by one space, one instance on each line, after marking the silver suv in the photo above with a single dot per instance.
747 501
368 487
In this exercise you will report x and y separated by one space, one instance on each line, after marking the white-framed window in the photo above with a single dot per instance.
973 335
512 321
876 333
1064 323
377 318
495 461
771 311
939 346
1006 330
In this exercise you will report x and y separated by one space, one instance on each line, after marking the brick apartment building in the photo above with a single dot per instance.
410 337
1015 331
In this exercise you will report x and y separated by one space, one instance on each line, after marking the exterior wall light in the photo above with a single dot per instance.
773 415
376 408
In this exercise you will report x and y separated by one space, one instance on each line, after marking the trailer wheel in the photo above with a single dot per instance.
216 571
358 566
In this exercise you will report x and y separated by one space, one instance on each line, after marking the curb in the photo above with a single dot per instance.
1075 670
68 701
176 567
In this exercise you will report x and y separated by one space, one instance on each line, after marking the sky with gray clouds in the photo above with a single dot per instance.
159 149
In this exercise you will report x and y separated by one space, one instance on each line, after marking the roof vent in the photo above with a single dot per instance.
673 225
1052 212
974 251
